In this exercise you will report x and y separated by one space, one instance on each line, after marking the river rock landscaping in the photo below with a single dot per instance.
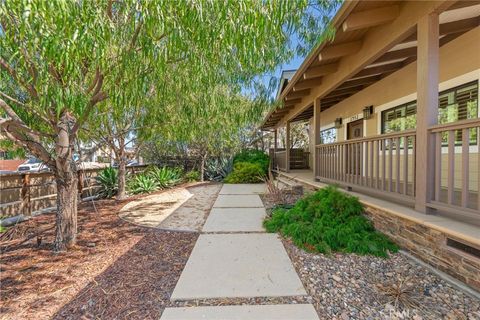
350 280
349 286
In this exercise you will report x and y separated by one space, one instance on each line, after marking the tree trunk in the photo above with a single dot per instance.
202 167
66 178
121 194
66 227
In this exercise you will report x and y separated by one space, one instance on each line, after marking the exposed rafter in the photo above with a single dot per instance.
397 54
379 69
297 94
451 27
357 82
341 92
307 84
292 102
370 18
340 50
320 71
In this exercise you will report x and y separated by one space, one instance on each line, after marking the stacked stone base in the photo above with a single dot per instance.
429 245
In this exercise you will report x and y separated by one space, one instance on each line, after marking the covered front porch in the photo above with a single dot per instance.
393 109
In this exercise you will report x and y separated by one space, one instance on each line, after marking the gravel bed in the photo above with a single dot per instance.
362 287
241 301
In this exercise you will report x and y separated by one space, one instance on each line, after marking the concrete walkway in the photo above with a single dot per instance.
234 258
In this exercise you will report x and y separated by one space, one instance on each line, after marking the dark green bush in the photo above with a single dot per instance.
108 180
245 172
192 176
253 156
330 221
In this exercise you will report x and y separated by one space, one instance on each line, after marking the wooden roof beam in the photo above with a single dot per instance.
320 71
451 27
292 102
341 92
370 18
357 82
307 84
340 50
297 94
379 69
398 54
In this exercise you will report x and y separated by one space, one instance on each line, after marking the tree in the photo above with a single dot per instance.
62 60
59 61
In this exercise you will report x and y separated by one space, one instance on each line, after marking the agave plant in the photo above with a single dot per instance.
218 169
142 183
108 180
165 177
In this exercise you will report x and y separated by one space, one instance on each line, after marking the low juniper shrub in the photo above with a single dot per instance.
330 221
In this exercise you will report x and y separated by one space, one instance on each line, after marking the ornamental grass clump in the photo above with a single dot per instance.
330 221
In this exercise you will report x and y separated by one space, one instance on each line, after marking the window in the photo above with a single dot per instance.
328 136
403 117
455 104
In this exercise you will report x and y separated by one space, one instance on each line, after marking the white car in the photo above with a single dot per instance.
32 165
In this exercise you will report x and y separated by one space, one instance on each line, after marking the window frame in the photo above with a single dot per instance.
328 129
455 89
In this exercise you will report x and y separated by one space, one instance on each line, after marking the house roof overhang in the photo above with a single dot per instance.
373 39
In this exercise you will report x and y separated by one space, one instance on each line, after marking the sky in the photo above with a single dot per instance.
293 64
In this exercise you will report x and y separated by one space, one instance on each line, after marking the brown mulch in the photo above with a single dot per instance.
116 271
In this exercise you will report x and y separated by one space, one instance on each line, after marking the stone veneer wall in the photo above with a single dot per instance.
429 245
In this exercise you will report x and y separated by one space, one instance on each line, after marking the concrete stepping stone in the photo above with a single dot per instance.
235 220
252 188
252 312
238 265
238 201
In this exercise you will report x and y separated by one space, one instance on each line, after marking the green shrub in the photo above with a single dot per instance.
142 183
218 168
108 180
192 176
330 221
253 156
165 177
245 172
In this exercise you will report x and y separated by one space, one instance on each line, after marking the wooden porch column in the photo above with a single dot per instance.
287 147
275 147
316 134
427 108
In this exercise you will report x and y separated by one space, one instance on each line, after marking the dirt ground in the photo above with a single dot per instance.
117 270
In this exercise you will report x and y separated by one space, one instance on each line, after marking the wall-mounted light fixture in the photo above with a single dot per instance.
338 123
367 112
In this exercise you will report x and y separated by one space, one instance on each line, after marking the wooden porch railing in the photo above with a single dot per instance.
457 167
382 164
280 160
299 159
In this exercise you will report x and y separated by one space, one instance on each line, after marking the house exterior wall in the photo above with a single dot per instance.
459 64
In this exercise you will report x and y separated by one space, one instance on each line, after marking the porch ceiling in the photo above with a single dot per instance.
353 22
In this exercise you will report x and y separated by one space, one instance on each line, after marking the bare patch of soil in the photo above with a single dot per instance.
116 270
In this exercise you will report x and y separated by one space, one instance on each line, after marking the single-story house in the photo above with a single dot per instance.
392 103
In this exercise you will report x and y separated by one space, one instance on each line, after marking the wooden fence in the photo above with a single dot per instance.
30 193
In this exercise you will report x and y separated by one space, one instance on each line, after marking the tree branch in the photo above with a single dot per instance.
25 106
5 66
15 133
